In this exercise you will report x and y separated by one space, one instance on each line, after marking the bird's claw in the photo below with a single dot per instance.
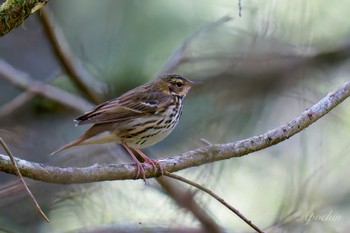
155 165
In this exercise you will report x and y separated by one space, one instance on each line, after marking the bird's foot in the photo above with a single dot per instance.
140 171
141 168
155 164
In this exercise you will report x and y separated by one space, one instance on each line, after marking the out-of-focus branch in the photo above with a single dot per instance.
90 87
5 230
14 12
219 199
185 160
16 103
184 198
179 55
23 80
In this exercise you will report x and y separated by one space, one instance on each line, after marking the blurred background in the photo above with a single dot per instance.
259 70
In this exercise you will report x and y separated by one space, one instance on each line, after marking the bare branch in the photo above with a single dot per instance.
16 103
37 206
219 199
24 81
185 160
19 101
14 12
5 230
90 87
185 199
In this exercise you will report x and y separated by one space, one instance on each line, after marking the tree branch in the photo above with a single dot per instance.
185 160
185 199
90 87
219 199
23 80
16 103
14 12
18 173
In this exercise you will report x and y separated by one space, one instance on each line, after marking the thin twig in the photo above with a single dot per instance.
90 87
185 199
9 153
179 55
16 103
22 99
5 230
10 188
23 80
219 199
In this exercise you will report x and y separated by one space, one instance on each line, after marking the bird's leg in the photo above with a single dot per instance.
153 162
140 169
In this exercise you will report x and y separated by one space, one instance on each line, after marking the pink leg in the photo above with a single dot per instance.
153 162
140 169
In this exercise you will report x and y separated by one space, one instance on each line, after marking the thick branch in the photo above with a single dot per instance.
14 12
193 158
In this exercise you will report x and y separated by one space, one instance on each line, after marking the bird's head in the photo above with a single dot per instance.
175 84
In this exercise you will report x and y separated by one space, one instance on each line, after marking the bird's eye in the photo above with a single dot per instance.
179 84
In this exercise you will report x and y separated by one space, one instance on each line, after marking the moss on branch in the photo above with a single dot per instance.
14 12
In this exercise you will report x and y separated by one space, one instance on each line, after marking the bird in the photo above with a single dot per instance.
139 118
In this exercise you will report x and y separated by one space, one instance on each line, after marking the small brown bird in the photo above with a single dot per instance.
139 118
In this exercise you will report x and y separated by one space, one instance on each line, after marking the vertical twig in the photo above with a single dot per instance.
3 144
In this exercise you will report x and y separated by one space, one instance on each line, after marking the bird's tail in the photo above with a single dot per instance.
90 137
76 142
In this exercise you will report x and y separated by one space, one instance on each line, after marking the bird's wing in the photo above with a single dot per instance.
129 106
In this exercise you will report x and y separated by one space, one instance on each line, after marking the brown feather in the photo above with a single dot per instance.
129 106
128 117
81 140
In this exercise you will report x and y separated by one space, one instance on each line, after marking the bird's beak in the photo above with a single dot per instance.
195 83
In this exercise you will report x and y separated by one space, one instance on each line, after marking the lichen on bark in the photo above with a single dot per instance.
14 12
